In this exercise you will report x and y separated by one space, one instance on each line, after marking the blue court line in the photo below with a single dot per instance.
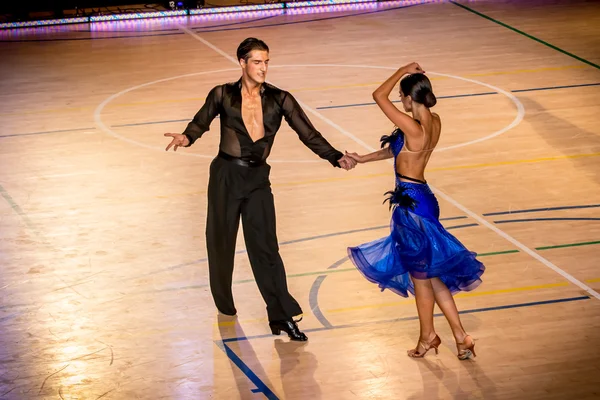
241 251
461 226
556 87
261 387
415 317
45 132
313 296
541 210
318 108
398 101
327 235
338 263
468 95
472 311
313 302
152 122
506 221
201 260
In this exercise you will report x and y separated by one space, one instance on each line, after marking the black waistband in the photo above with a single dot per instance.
411 179
239 161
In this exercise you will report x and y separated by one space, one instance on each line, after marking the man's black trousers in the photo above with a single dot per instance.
240 189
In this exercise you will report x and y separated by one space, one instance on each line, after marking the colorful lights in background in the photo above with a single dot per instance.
162 19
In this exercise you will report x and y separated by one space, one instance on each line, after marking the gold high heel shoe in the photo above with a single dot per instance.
433 344
468 351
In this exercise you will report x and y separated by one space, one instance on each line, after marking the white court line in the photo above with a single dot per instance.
101 126
450 200
511 97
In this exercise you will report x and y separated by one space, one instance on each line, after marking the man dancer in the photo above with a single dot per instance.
251 112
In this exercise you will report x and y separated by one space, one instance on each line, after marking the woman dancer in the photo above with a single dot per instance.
419 256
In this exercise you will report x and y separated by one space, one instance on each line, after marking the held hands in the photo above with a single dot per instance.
346 162
355 157
179 140
350 160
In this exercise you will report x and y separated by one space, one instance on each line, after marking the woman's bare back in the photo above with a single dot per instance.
416 152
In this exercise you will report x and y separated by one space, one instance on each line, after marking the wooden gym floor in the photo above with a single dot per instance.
103 279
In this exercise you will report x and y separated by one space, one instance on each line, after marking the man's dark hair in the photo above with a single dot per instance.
248 45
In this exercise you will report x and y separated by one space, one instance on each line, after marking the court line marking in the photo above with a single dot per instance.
583 60
328 271
263 388
415 317
466 95
314 292
322 88
508 221
317 108
545 209
367 176
519 245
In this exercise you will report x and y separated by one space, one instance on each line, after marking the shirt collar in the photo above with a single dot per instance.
239 86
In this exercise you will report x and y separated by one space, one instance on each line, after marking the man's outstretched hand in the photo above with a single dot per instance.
179 140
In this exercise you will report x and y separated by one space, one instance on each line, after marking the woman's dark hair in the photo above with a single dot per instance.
418 87
248 45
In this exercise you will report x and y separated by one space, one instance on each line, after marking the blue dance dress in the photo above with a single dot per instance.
418 244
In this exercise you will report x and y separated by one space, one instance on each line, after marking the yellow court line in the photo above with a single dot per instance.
514 162
439 169
460 295
350 177
232 323
412 301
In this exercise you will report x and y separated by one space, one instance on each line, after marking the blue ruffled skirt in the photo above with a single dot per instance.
418 246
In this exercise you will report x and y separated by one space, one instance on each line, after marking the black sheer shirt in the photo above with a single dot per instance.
226 101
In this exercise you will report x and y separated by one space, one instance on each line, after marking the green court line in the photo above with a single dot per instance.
333 271
583 60
17 209
560 246
495 253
